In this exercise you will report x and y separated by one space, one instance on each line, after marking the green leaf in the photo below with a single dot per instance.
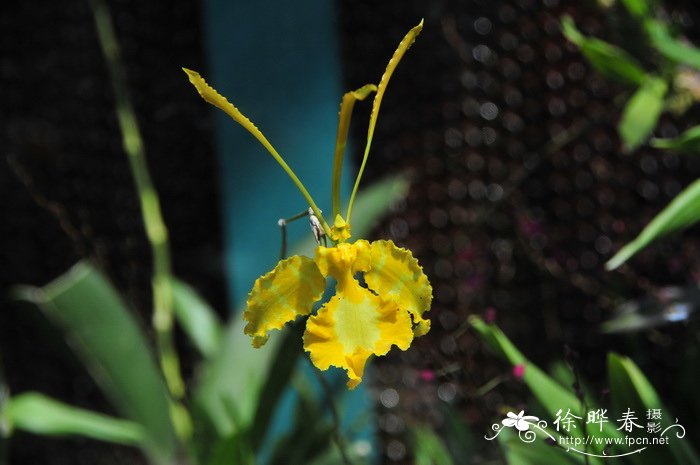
231 381
459 439
428 448
538 452
630 389
310 436
280 372
36 413
107 338
231 450
682 212
197 318
638 8
670 47
563 374
688 142
642 112
608 60
549 393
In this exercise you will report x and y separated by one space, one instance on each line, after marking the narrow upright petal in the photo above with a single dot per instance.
281 295
394 274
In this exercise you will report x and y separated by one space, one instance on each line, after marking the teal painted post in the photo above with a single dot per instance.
278 62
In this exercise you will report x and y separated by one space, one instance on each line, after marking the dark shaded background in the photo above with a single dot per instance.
67 190
501 218
498 215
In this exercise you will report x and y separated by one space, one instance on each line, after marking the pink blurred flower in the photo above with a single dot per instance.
490 315
518 371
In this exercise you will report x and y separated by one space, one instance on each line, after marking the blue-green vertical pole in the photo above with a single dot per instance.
278 62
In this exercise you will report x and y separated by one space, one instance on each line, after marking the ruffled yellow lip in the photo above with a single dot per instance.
357 321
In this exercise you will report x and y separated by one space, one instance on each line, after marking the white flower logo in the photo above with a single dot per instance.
520 421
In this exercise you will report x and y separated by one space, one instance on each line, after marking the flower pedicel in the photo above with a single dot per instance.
359 320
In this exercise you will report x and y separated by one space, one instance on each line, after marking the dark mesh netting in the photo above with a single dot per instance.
67 192
521 193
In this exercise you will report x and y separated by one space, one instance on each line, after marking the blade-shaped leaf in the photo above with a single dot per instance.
310 436
642 112
549 393
459 438
638 8
539 452
428 448
230 450
231 381
107 338
281 370
670 47
36 413
688 142
630 389
683 211
197 318
608 60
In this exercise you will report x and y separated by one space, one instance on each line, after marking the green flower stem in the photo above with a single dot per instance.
156 230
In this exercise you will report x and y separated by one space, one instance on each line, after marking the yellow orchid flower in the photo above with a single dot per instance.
381 291
357 321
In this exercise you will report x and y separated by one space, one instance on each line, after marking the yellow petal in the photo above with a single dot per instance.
396 275
343 261
210 95
404 45
353 325
346 106
281 295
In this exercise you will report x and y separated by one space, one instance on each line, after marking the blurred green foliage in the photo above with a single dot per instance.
629 389
237 387
224 415
653 91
